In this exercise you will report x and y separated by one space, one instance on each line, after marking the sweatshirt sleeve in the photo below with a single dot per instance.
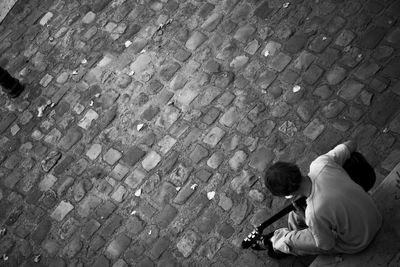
339 154
316 239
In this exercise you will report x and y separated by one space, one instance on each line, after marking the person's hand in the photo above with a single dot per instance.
272 238
300 209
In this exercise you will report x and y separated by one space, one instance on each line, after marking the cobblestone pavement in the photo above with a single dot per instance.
145 126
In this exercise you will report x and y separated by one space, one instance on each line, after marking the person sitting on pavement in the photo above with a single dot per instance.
340 217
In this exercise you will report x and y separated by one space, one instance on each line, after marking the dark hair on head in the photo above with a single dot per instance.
283 178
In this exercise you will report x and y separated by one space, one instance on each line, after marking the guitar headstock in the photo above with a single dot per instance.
251 239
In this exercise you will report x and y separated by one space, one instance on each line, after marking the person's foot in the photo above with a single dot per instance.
16 90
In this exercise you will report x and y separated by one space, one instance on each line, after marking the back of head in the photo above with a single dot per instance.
283 178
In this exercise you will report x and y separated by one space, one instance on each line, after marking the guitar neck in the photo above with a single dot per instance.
279 215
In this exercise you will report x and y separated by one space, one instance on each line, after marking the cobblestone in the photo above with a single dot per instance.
119 172
279 111
159 247
64 165
151 160
214 136
345 38
12 162
238 213
333 109
243 33
133 155
111 226
41 231
117 246
366 70
350 89
164 194
112 156
62 210
295 44
384 107
94 151
86 121
260 159
319 43
391 69
335 75
72 248
135 225
187 243
327 58
304 60
6 121
382 52
198 153
68 228
195 40
237 160
327 140
306 110
265 79
372 37
314 129
252 47
101 261
312 74
243 181
135 178
228 253
165 217
215 160
211 23
279 62
88 203
119 194
391 160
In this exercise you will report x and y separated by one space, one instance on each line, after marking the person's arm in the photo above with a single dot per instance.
301 242
316 239
342 152
351 145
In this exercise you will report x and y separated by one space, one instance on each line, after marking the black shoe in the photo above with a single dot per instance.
16 90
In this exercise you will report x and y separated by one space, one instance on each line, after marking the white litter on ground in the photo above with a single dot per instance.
193 187
128 44
296 88
210 195
139 126
138 192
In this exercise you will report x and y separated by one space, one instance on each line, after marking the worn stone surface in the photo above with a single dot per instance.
314 129
187 243
260 159
350 89
383 109
372 37
336 75
117 246
61 211
145 126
